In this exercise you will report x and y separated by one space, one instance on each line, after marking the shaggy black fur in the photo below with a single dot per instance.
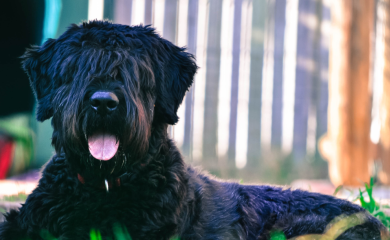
159 197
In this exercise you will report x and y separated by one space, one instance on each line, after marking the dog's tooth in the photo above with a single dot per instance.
106 183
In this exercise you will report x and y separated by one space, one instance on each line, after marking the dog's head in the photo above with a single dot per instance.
106 87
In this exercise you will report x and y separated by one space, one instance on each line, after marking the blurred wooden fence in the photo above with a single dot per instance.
260 98
262 85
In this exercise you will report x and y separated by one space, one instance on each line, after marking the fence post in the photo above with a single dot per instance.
384 142
347 143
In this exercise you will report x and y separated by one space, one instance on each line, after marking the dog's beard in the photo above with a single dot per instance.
109 151
93 168
103 146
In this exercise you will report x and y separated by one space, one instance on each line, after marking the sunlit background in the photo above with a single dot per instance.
259 104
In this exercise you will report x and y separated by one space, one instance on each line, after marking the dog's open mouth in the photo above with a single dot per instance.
103 145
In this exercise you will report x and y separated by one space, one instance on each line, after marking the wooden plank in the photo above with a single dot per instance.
256 74
212 83
384 142
122 11
304 76
346 145
277 101
189 101
170 20
148 12
322 84
234 84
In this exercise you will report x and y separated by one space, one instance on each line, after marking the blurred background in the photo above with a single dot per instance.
286 90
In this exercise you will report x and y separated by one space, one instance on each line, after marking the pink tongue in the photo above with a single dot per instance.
102 145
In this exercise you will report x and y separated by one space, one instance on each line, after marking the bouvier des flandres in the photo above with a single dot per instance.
112 90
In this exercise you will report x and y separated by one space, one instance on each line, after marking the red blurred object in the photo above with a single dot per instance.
7 146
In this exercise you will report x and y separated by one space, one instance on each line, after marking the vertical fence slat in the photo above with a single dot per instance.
200 81
277 106
304 74
268 79
244 85
289 74
148 12
212 82
225 83
189 101
122 11
322 101
170 20
234 85
256 71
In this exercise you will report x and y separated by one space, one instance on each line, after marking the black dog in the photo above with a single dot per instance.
112 90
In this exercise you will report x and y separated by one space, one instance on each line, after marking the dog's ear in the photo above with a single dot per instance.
178 74
36 62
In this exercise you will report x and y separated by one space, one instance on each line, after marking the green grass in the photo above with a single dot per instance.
20 197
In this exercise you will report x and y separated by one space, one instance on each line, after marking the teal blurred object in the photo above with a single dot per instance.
52 16
59 15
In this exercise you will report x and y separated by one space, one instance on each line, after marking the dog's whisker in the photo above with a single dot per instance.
113 168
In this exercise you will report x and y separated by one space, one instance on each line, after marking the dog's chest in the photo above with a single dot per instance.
143 216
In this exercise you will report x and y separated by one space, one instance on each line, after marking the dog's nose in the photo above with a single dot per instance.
104 102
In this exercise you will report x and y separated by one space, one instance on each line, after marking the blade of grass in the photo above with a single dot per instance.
95 235
121 232
277 235
337 190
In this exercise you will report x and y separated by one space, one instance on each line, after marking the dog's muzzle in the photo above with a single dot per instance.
103 145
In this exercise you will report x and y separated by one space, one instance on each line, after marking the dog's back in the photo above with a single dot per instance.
253 212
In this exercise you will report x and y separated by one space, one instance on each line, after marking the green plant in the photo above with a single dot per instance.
277 235
95 235
372 206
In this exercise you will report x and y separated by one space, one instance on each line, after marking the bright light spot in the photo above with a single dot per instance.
225 76
290 54
200 81
138 12
267 85
158 20
243 88
95 9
